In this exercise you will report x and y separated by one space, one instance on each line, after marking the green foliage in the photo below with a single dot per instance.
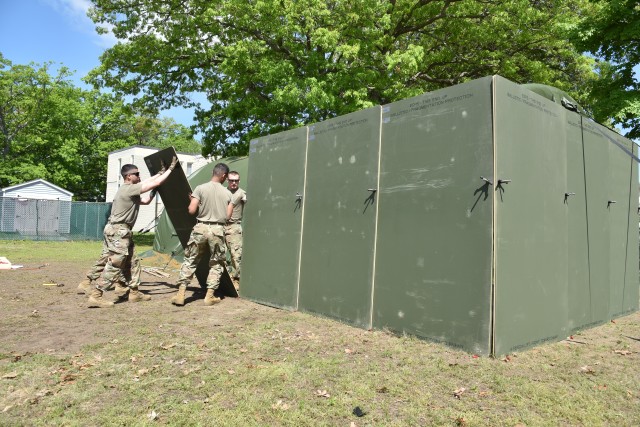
52 130
164 133
269 65
611 31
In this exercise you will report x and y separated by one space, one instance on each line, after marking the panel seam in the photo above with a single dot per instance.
375 230
304 198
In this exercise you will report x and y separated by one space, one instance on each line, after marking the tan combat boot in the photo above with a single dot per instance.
85 287
136 296
178 299
209 299
121 292
97 300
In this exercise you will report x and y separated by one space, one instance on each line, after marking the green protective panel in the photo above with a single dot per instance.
175 193
339 217
433 260
273 218
531 241
618 214
596 164
632 281
575 203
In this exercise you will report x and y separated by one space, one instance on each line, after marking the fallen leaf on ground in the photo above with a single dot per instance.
382 389
348 350
587 370
10 375
231 371
457 393
322 393
152 415
506 359
167 347
623 352
280 405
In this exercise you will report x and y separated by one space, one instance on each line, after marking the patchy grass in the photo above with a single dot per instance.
242 364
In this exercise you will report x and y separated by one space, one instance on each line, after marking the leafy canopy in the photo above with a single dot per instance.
611 32
267 65
52 130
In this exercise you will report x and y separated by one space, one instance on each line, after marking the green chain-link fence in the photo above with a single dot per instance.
31 219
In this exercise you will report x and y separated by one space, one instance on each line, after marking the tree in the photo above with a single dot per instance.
611 32
164 133
268 65
52 130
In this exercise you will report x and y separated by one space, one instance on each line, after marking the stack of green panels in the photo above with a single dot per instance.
483 216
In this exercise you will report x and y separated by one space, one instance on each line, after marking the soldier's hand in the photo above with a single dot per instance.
174 162
163 169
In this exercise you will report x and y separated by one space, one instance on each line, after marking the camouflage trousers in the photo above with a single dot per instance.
122 266
233 237
204 236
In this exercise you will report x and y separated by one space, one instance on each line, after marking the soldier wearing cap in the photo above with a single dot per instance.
233 229
122 267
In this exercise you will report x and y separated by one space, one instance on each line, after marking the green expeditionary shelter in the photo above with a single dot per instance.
484 216
166 240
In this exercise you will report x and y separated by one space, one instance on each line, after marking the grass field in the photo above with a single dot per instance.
243 364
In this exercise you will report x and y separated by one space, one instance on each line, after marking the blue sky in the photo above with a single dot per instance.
58 30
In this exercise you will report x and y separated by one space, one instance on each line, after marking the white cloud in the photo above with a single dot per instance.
75 12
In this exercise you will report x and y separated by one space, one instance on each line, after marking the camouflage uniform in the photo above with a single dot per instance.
98 267
233 230
122 265
209 231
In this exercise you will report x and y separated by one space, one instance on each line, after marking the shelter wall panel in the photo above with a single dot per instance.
339 217
632 281
531 219
579 302
433 262
618 190
596 155
272 220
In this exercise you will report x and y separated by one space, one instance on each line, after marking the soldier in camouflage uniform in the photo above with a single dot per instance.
233 229
211 203
122 267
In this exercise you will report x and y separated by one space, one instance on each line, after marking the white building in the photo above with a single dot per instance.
35 207
135 155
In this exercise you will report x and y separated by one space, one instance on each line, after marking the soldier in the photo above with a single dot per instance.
211 203
233 229
122 268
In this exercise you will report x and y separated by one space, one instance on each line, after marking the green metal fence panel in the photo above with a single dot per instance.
578 299
596 157
433 260
41 219
272 221
531 221
618 214
339 217
631 292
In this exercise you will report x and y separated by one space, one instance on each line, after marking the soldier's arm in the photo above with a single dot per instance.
229 211
193 206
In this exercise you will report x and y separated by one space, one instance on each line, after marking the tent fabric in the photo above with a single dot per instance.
166 241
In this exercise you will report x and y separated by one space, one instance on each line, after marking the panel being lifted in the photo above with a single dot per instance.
175 192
